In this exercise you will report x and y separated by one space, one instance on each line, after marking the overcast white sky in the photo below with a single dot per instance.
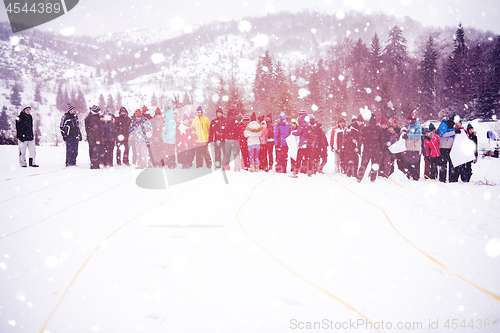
93 17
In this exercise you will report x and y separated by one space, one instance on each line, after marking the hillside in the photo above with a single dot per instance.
178 63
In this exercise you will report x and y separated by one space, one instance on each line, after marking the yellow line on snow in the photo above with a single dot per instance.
495 296
324 291
68 289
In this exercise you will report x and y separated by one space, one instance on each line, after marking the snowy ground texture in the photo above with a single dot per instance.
89 251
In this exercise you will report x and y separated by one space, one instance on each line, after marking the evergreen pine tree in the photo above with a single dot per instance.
186 100
395 64
358 65
428 75
457 90
375 63
154 100
263 83
38 95
119 100
15 96
235 100
60 102
4 120
111 104
102 103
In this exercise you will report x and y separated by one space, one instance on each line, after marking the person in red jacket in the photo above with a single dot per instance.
432 153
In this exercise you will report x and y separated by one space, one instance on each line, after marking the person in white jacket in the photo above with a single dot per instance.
253 132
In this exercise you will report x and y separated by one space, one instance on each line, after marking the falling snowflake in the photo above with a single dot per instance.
244 26
67 31
303 92
260 40
177 23
157 58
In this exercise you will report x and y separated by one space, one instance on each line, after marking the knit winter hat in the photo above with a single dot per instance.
145 109
360 118
199 109
70 107
95 109
469 126
246 116
432 127
253 117
26 108
383 121
411 115
426 130
122 109
185 116
157 111
302 111
341 120
138 113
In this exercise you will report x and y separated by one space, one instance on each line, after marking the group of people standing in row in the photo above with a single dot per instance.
252 142
372 142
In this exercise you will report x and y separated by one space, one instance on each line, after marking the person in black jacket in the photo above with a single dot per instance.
109 138
270 141
94 128
232 146
372 139
122 132
352 146
70 131
217 137
322 147
24 128
466 170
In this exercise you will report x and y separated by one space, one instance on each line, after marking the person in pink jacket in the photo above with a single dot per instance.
432 153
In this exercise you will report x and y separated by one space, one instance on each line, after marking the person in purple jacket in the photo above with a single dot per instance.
281 132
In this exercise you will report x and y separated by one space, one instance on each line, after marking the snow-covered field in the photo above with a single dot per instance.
89 251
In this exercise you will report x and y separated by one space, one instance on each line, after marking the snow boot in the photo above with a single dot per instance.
32 164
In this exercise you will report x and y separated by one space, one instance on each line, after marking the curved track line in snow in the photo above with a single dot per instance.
449 203
34 174
62 210
46 187
495 296
324 291
87 261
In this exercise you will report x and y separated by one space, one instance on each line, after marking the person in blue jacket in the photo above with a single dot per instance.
446 137
169 138
281 132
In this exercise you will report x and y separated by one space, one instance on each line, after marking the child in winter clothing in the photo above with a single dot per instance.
432 153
